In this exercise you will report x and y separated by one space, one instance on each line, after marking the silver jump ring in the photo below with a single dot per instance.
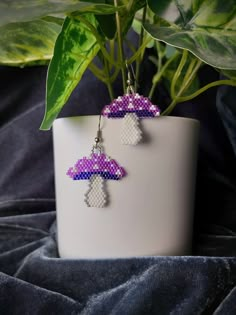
97 149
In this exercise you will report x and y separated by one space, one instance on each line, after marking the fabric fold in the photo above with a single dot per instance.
132 286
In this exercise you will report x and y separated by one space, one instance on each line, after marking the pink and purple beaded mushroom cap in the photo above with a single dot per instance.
131 107
96 164
131 103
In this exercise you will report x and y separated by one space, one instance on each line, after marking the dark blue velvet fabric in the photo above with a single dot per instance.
34 280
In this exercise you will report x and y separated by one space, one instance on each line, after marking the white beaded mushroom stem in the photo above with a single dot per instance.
96 196
130 108
131 134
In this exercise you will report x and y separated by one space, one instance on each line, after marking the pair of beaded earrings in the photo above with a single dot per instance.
98 167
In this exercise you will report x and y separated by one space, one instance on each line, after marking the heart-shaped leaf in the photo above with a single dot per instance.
206 28
75 48
26 10
28 43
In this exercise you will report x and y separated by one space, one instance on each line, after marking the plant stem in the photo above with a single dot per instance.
138 52
160 55
190 68
130 45
178 72
114 75
120 47
97 72
206 87
112 48
185 85
95 69
158 75
108 79
139 59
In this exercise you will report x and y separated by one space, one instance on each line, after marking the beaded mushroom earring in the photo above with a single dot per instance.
130 108
97 168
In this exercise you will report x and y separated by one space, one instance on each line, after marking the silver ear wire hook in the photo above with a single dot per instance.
97 146
130 87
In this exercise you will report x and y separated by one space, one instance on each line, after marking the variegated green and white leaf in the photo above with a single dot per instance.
26 10
206 28
137 27
28 43
75 48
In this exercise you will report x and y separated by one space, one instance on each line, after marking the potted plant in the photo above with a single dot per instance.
181 36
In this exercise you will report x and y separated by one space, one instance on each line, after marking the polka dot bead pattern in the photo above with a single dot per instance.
97 163
131 107
131 103
96 168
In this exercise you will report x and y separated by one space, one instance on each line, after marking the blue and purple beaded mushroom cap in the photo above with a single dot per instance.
96 164
131 107
96 168
131 103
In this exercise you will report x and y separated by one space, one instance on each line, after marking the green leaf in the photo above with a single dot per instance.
75 48
174 10
170 51
158 6
127 14
28 43
137 26
26 10
206 28
107 24
164 8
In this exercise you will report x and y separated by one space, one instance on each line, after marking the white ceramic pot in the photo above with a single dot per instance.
150 210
